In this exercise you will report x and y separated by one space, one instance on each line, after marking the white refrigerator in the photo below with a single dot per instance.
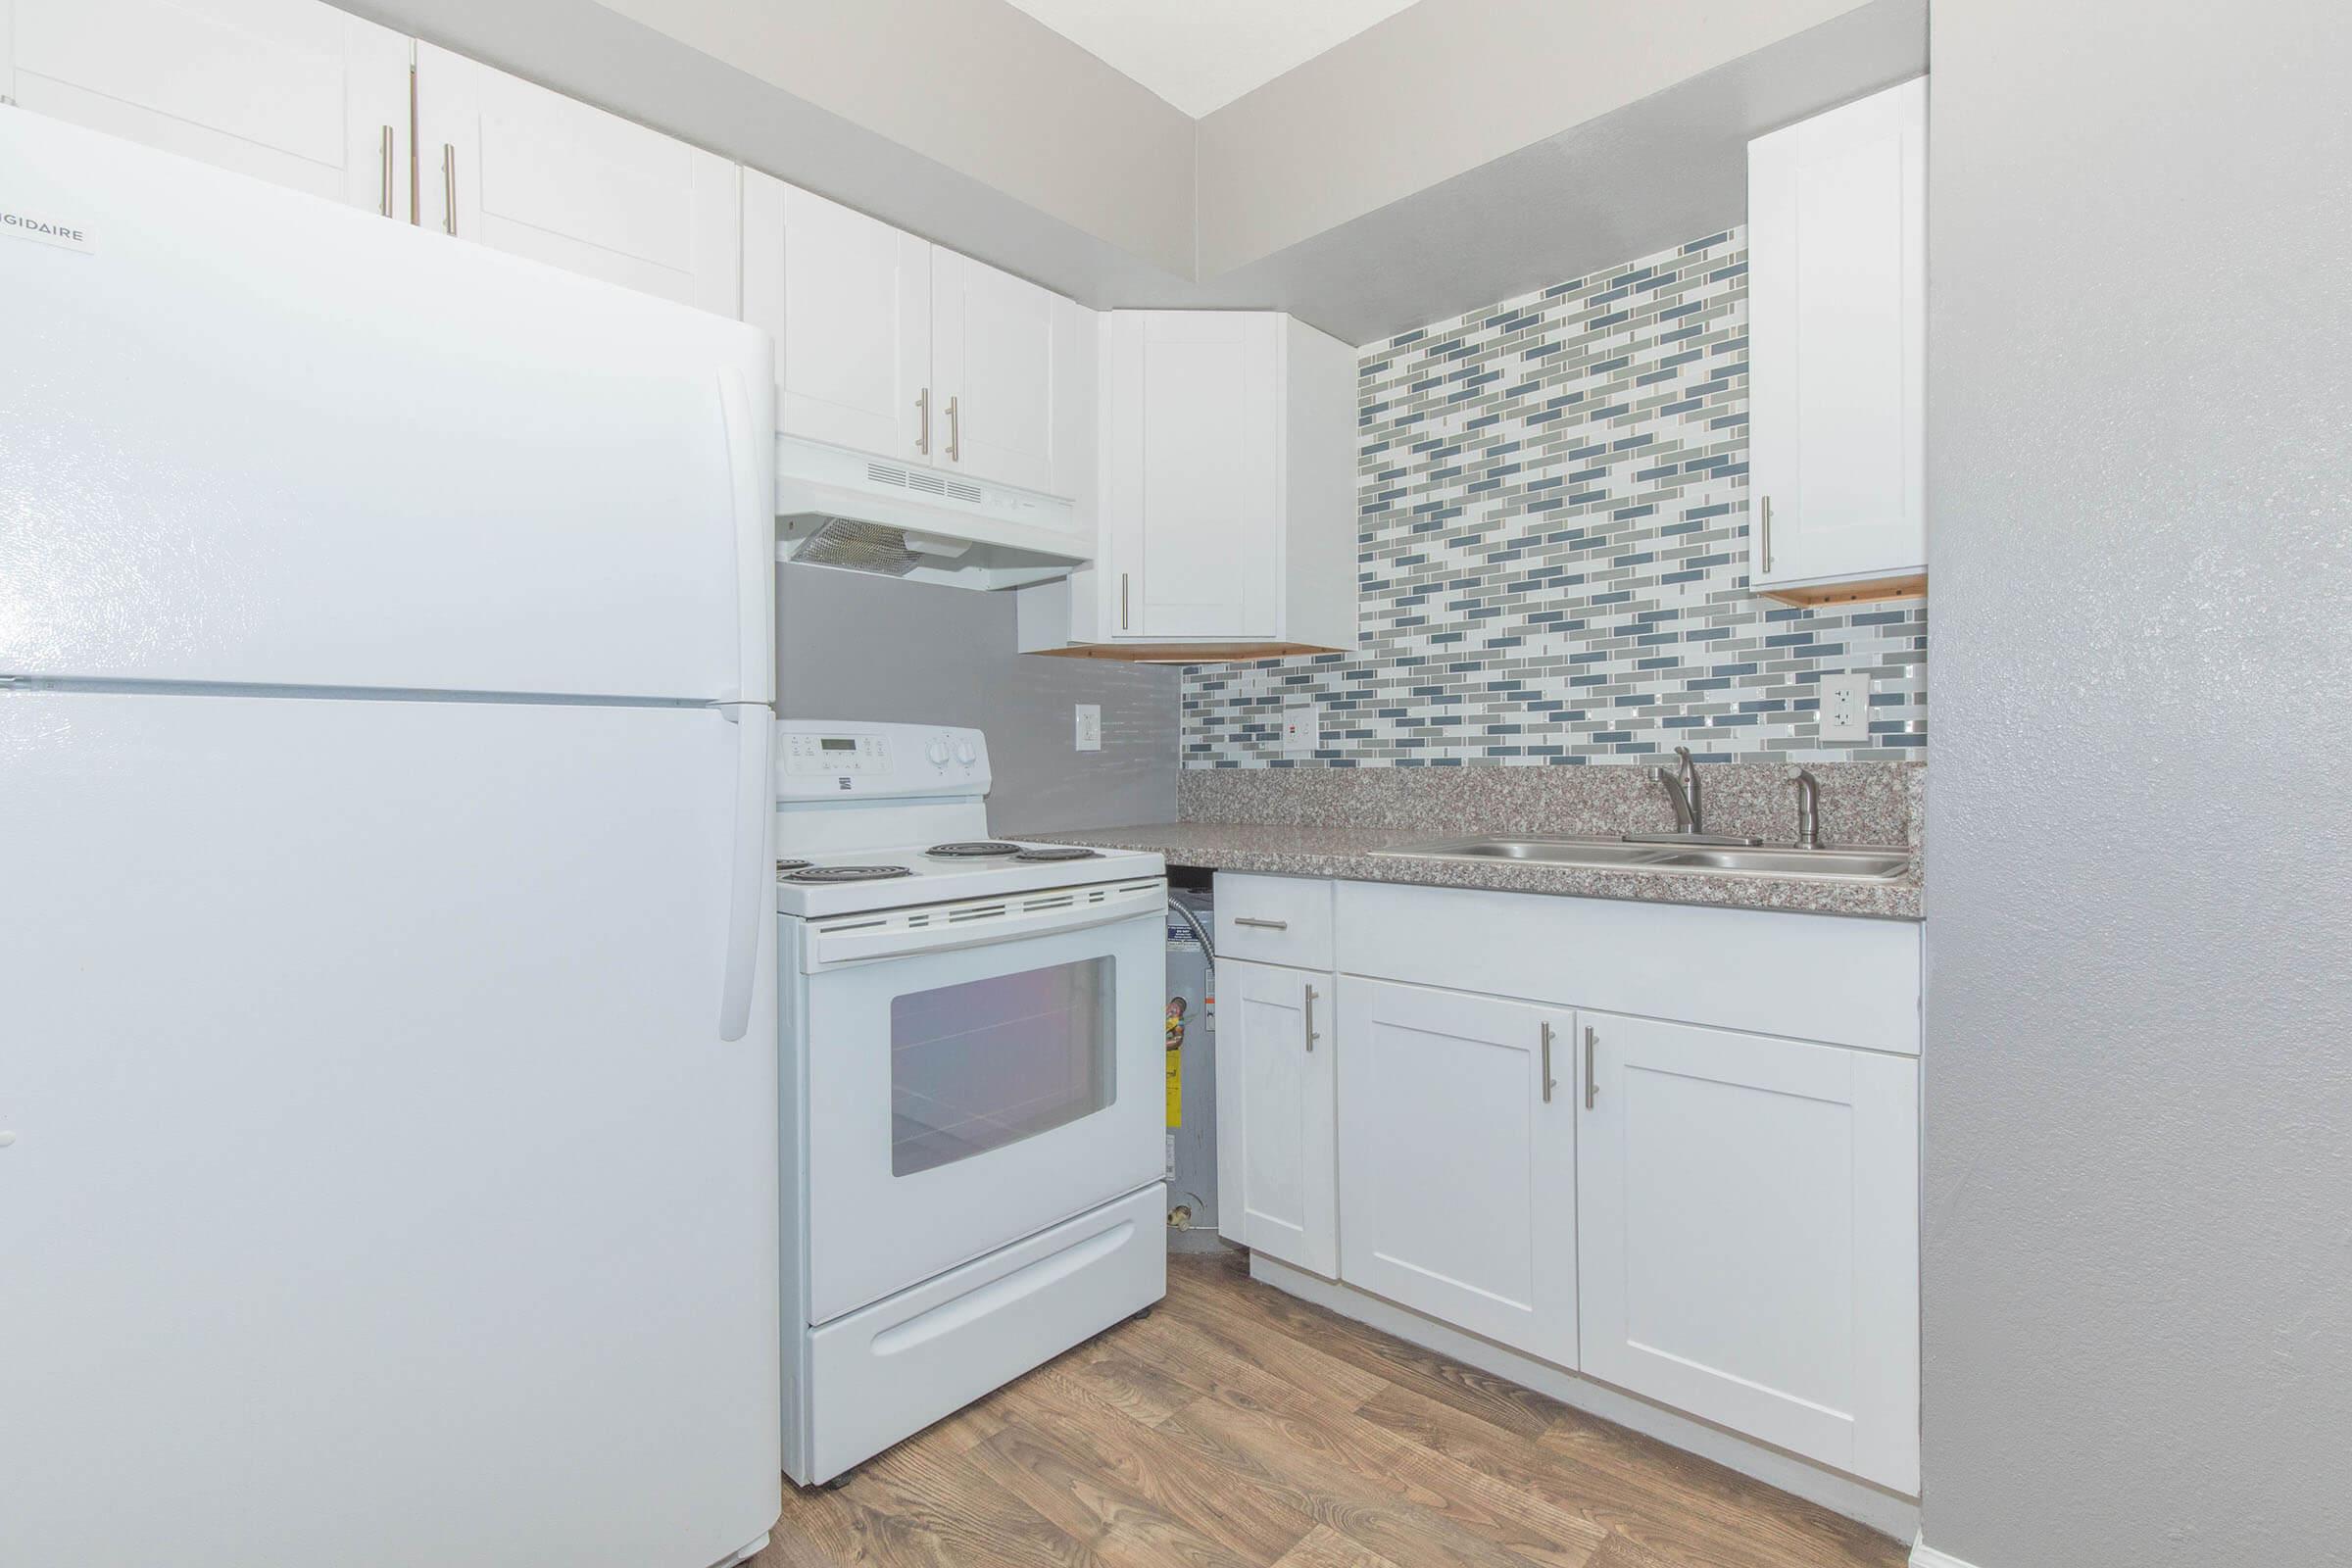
387 1044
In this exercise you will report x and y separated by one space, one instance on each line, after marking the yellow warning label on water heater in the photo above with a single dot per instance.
1175 1061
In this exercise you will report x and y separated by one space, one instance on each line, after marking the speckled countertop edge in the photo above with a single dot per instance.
1348 854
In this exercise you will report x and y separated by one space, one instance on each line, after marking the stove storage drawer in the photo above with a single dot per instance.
1274 919
889 1370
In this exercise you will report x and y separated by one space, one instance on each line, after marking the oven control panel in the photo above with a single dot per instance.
820 759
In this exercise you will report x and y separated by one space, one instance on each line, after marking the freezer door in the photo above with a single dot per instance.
256 437
382 1191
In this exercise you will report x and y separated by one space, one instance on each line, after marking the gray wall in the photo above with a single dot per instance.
1439 90
2138 1242
870 648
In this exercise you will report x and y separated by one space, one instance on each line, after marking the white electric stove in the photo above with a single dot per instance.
973 1086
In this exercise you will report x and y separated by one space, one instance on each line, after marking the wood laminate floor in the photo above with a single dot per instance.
1238 1427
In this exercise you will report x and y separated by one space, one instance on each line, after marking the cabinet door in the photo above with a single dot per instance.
1191 487
1837 338
1749 1211
510 165
289 91
992 372
1458 1159
848 299
1277 1181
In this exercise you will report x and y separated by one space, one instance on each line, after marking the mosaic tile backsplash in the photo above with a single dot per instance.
1553 557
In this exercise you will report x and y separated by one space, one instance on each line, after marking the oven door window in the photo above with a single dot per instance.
995 1060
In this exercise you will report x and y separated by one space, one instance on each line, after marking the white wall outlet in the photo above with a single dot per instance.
1846 708
1090 726
1301 726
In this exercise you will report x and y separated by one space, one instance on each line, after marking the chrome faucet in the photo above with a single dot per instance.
1682 788
1809 809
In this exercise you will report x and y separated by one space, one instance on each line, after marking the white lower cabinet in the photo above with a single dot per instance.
1458 1159
1276 1164
1720 1217
1749 1237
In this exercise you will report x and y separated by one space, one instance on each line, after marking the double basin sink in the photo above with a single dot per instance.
1845 864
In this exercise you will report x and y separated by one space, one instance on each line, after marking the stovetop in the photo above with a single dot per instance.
854 881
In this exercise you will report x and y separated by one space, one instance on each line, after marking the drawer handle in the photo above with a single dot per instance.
1263 925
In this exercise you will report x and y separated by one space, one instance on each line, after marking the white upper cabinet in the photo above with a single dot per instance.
1838 339
1750 1247
1228 510
1193 499
1458 1159
512 166
992 368
890 345
848 300
1277 1176
290 91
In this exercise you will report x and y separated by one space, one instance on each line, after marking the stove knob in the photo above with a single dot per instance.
966 752
937 751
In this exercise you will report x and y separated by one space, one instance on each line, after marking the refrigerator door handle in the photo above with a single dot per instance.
755 531
750 879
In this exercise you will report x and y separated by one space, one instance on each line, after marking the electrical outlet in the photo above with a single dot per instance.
1302 727
1090 726
1846 708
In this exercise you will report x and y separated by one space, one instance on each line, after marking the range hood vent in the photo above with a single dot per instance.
854 546
847 511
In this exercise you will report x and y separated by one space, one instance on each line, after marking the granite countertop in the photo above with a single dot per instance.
1349 853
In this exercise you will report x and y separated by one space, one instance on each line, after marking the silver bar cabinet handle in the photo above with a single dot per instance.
449 188
1592 1084
1547 1081
955 432
386 204
922 407
1122 600
1765 505
1308 1013
1263 925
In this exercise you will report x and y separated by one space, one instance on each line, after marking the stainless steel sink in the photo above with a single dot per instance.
1864 864
1852 864
1556 852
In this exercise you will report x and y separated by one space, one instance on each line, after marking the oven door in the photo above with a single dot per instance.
976 1072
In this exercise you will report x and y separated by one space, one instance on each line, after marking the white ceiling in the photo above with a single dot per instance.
1200 55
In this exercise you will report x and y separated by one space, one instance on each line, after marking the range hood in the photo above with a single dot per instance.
852 512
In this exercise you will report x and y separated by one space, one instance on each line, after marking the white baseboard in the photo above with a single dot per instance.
1924 1556
1887 1511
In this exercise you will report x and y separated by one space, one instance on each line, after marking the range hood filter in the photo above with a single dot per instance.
873 547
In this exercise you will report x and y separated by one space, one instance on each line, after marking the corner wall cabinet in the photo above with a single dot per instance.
294 93
890 345
1228 512
1694 1182
1837 344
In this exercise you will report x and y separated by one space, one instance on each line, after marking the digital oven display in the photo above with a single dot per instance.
832 744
